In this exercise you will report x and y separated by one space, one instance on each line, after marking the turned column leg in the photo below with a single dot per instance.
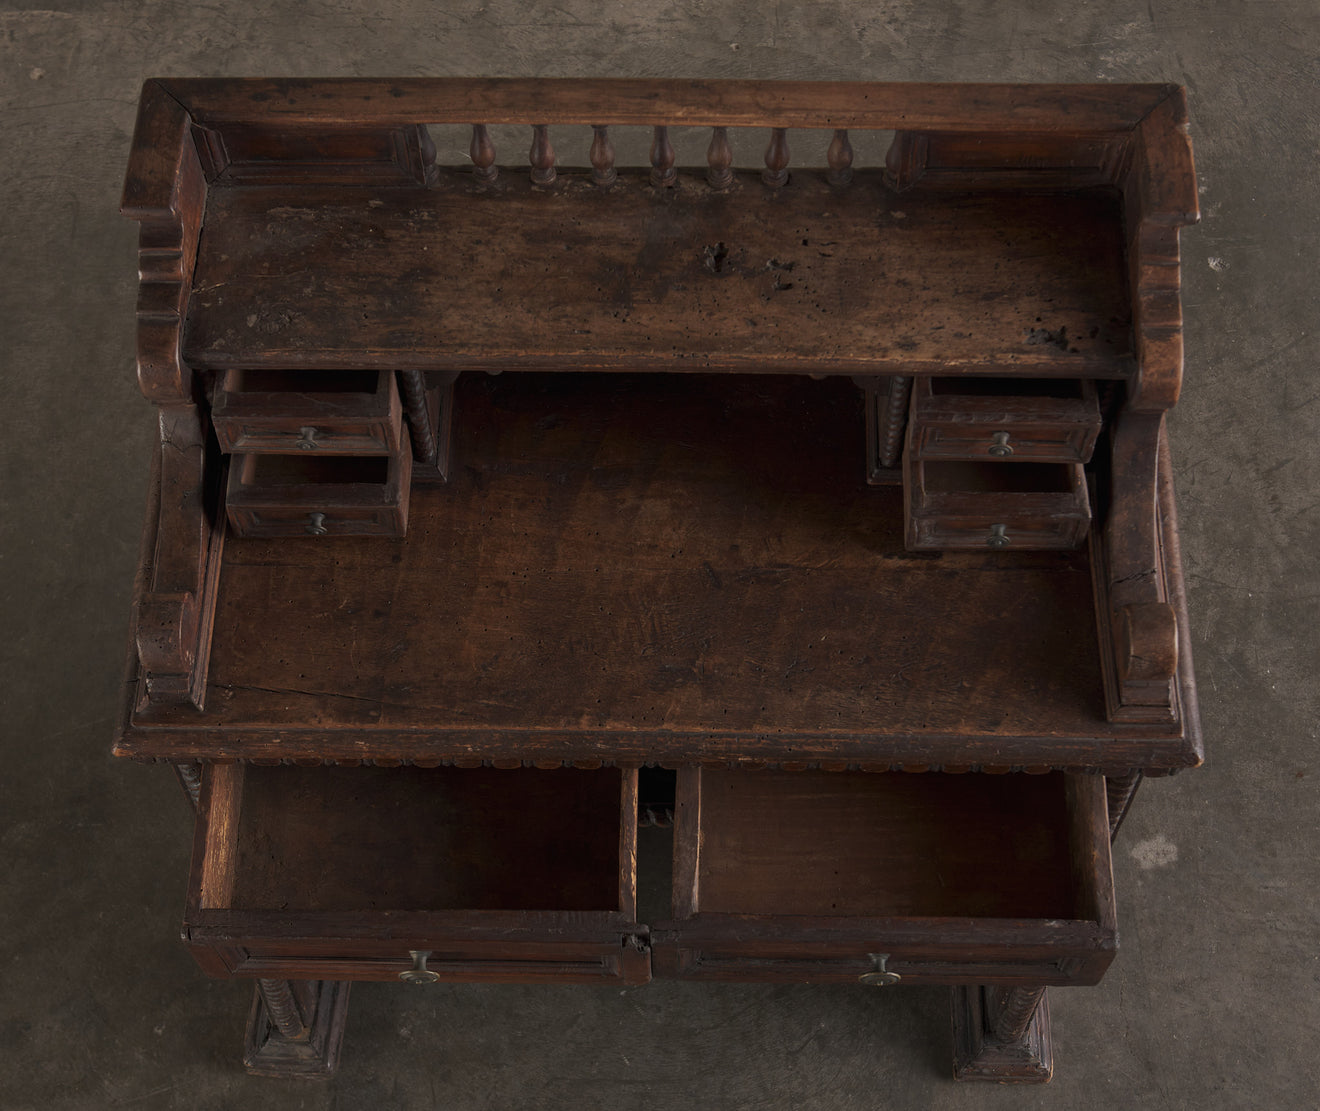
1001 1034
190 777
1120 790
296 1027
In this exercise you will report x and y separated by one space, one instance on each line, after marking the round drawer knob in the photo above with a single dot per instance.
998 537
307 438
879 976
999 445
316 524
419 973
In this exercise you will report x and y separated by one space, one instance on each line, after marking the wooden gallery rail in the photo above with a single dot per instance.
411 635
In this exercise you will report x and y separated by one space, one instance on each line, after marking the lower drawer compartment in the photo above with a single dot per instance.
319 495
837 876
462 874
1011 506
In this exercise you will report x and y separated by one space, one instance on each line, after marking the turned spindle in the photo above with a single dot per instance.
663 173
1014 1010
602 156
776 157
542 156
840 158
282 1008
719 159
483 154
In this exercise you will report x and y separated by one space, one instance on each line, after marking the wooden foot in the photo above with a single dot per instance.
295 1028
1001 1034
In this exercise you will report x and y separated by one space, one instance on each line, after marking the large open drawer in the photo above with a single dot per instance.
817 876
346 873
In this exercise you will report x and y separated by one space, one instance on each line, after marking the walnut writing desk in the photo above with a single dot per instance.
423 643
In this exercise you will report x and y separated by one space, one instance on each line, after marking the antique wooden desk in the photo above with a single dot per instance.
880 600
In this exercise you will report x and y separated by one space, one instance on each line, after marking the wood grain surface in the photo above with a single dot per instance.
654 567
808 278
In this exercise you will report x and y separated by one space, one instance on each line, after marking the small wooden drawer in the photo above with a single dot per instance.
319 495
345 873
1054 420
995 506
816 876
319 412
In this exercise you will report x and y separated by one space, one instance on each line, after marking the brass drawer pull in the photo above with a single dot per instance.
307 438
998 537
316 525
419 973
880 976
999 445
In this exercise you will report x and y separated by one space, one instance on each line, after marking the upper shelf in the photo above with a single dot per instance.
808 277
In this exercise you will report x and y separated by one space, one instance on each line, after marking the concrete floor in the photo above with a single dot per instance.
1213 1000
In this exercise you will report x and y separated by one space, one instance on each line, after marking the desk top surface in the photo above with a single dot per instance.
655 568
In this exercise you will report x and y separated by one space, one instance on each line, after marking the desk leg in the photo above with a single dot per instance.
295 1028
1001 1034
1120 790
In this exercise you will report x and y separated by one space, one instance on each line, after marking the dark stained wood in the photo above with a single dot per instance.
840 158
800 876
431 839
482 154
603 172
992 505
896 761
314 495
719 159
663 173
1054 421
542 156
521 580
776 158
825 844
980 1052
1120 791
351 413
318 1011
939 283
648 102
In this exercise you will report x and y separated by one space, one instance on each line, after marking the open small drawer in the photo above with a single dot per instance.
343 412
834 876
343 873
319 495
1014 506
1048 420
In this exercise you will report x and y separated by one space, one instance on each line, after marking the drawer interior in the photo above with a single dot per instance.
368 839
970 386
312 469
890 845
271 381
998 477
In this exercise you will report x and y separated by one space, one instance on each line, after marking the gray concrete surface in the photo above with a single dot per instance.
1213 1001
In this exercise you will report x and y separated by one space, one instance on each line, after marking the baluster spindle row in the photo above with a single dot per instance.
719 157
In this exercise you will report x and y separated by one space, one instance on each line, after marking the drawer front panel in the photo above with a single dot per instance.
996 533
1004 442
1006 420
350 413
325 520
277 496
730 961
623 960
